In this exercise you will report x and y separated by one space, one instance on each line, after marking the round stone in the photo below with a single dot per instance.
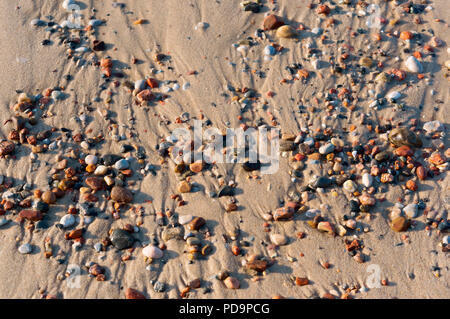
91 160
101 170
121 195
278 239
121 239
326 148
140 85
122 164
411 210
367 180
152 252
25 249
270 50
413 65
67 220
184 187
399 224
172 233
433 127
48 197
349 186
231 283
184 219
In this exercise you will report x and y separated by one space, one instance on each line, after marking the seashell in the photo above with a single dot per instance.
366 61
403 136
285 32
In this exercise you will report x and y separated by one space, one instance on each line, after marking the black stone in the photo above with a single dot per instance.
225 191
121 239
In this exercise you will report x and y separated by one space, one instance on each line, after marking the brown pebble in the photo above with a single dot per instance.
272 22
300 281
121 195
399 224
33 215
196 223
131 293
48 197
231 283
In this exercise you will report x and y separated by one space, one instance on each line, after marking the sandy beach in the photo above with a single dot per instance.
95 203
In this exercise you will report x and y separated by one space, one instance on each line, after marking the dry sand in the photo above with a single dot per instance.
28 66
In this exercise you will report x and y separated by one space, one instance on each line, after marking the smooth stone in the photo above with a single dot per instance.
101 170
248 166
399 224
110 159
349 186
337 142
67 220
172 233
367 180
121 195
57 95
366 61
326 149
316 31
25 249
278 239
433 127
231 283
225 190
122 164
95 22
140 85
91 159
184 187
382 156
394 95
152 252
269 50
121 239
184 219
48 197
326 227
193 241
321 182
413 65
33 215
37 23
96 183
411 210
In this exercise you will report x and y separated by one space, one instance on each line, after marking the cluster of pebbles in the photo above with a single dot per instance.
393 154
